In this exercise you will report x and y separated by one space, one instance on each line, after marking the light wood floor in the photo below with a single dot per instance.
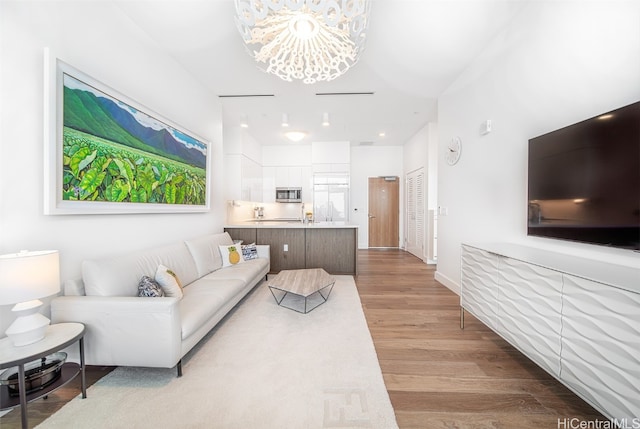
437 375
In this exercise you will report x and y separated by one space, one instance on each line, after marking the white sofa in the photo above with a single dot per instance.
126 330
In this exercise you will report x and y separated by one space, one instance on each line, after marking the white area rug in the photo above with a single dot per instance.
265 366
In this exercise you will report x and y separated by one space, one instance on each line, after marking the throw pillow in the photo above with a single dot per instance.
148 287
249 251
169 282
231 255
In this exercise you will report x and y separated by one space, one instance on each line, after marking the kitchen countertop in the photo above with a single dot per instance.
282 223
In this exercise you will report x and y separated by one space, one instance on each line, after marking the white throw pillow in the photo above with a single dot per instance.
231 255
168 281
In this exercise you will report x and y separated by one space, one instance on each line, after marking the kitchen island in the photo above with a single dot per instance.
296 245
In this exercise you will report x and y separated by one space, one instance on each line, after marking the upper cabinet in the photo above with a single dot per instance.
251 180
242 166
268 184
243 178
287 177
254 177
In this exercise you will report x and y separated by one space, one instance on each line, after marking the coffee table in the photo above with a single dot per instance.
301 290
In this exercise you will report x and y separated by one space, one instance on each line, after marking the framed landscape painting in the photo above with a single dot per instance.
107 154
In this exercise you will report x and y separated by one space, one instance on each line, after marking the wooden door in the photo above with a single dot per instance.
384 208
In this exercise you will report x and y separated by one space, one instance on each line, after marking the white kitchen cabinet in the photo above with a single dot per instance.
251 180
288 177
282 177
295 177
332 168
243 178
268 184
306 183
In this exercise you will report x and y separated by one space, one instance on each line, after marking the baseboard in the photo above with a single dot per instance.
450 284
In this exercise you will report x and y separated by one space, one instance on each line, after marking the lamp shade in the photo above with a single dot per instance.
26 276
308 40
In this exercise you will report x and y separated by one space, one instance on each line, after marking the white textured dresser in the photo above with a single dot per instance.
577 318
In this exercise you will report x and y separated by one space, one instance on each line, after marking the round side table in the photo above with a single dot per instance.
57 337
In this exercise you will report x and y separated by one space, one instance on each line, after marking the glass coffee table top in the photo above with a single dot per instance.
301 290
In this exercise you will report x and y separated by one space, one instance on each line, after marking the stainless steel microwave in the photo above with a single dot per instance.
288 195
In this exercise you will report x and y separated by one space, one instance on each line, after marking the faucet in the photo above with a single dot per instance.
302 215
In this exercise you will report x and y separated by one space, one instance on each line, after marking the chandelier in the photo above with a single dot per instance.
308 40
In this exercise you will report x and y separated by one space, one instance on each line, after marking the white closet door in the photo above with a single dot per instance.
415 213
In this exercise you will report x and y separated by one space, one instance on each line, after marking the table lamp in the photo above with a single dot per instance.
24 278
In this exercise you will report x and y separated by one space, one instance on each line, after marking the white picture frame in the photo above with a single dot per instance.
107 154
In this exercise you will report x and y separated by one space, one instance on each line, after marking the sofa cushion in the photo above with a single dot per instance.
206 253
119 276
202 300
246 272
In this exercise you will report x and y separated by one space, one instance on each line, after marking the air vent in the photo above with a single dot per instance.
345 93
245 95
365 144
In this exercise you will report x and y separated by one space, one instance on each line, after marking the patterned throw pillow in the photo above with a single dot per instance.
148 287
169 282
249 251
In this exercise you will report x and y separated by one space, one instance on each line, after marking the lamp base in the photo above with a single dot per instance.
30 326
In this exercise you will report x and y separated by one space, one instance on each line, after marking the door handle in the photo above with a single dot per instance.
371 216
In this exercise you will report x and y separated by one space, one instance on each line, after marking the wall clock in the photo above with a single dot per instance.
453 151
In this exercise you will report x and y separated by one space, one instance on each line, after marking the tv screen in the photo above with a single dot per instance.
584 181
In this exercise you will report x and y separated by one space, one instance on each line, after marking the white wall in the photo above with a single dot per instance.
556 64
96 38
373 161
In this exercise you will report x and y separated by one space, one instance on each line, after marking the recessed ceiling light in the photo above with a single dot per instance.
295 136
382 134
604 117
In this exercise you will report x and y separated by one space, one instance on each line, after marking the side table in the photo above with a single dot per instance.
58 336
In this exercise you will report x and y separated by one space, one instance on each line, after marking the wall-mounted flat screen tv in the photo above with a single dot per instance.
584 181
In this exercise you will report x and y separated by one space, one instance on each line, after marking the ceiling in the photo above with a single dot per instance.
415 49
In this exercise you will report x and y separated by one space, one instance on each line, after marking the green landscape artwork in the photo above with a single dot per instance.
113 152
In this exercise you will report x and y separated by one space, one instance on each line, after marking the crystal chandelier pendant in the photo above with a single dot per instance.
307 40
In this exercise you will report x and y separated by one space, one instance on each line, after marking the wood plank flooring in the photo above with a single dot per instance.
437 375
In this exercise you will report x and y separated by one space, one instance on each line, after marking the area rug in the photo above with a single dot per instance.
263 366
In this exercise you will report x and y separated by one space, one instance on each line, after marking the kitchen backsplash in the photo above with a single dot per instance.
241 211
